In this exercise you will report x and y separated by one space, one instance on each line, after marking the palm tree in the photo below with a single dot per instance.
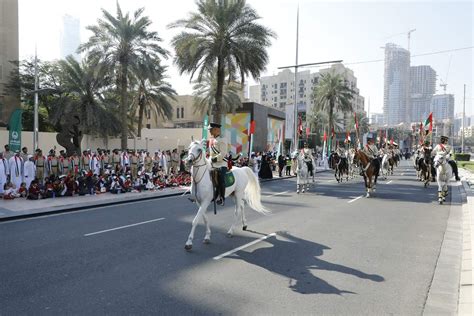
82 90
205 94
152 93
332 95
222 35
118 44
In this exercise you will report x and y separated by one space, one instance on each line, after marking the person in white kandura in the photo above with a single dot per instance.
4 172
16 169
29 170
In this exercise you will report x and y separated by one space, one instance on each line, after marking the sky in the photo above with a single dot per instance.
353 31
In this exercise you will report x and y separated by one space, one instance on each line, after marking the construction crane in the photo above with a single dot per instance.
444 83
403 33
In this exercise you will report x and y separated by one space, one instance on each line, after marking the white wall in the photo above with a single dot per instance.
152 139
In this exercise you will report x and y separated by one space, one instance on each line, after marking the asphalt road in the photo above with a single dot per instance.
331 254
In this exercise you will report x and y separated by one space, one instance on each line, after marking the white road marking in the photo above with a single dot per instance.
389 182
353 200
402 174
122 227
279 193
225 254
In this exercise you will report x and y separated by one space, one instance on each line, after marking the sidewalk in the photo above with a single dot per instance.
465 303
22 208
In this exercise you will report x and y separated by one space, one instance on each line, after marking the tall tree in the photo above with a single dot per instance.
223 35
118 43
205 94
83 86
332 95
151 93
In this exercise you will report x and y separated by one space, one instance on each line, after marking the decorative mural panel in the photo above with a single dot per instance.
236 130
275 130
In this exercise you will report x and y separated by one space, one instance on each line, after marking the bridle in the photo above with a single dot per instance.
193 162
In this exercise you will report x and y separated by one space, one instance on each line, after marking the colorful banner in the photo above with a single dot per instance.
236 132
274 128
14 127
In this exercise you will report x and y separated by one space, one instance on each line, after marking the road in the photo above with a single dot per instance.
331 253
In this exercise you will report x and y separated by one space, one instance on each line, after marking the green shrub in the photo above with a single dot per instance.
462 157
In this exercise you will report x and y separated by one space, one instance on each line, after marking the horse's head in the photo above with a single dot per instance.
195 153
439 160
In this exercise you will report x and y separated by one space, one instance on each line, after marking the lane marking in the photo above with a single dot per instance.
122 227
355 199
276 194
402 174
389 182
225 254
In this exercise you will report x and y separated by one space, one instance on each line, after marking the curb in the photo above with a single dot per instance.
85 207
443 291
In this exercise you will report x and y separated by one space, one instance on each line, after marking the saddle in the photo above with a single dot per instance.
229 178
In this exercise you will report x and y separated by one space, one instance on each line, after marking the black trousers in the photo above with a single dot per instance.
221 189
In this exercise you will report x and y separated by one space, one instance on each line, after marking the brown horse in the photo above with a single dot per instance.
370 168
424 166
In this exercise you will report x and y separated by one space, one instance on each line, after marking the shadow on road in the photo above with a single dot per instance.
300 263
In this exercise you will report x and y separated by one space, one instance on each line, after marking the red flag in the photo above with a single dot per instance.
356 123
307 131
391 141
300 126
252 128
333 133
325 137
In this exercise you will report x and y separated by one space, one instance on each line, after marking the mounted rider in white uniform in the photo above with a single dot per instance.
308 158
444 149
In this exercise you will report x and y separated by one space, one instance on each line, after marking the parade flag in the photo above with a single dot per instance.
307 131
356 123
333 132
14 127
348 136
391 141
429 121
204 126
252 128
251 131
300 126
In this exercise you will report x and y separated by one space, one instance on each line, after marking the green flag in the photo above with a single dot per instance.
204 126
14 127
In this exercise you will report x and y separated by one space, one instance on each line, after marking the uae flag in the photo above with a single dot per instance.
356 125
429 121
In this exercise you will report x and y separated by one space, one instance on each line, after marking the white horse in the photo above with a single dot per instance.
246 186
302 173
444 173
386 169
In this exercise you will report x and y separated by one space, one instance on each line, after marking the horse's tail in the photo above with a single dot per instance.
252 192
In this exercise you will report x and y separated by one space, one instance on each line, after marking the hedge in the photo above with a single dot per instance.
462 157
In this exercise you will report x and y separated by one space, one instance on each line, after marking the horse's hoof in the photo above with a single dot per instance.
188 247
244 228
206 241
367 195
229 235
298 192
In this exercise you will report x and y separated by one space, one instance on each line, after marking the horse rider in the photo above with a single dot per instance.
308 158
444 149
426 146
371 150
217 154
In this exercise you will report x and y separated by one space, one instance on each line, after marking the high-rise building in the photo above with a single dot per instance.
70 36
8 53
376 119
277 91
422 89
396 85
442 106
